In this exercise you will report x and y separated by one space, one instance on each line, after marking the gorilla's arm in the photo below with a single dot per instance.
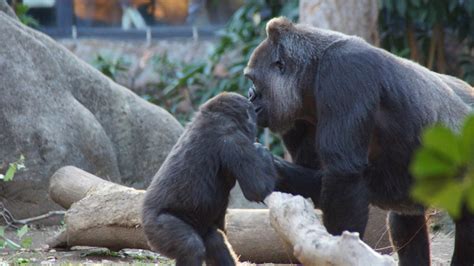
298 180
253 170
303 176
347 96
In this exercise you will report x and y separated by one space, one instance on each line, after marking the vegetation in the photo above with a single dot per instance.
12 169
208 78
193 84
420 30
443 168
110 67
21 11
25 242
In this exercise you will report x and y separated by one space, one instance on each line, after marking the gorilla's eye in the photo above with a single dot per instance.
281 67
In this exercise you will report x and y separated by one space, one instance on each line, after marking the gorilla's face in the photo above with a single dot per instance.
275 94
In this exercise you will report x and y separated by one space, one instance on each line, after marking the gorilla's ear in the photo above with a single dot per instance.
277 27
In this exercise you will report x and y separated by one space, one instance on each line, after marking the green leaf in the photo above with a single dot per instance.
450 198
425 189
469 192
442 140
2 231
427 163
467 140
10 173
21 9
22 261
22 231
26 242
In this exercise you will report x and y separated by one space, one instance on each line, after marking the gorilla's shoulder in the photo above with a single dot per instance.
352 46
354 50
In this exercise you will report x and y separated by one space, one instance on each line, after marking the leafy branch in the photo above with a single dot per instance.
443 168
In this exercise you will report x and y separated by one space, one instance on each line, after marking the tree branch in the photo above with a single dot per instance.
294 219
11 221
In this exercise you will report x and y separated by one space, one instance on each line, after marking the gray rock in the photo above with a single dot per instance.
4 7
56 110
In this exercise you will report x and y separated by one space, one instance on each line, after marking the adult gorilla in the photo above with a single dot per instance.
350 115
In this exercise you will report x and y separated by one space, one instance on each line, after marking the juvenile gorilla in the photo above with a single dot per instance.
350 115
185 205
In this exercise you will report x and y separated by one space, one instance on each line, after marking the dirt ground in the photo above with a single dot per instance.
38 253
442 248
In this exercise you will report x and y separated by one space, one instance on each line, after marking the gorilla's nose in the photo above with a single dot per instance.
252 94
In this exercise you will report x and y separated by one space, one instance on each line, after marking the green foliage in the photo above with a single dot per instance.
242 34
21 11
443 168
110 67
424 14
416 28
4 241
25 242
13 168
21 261
194 83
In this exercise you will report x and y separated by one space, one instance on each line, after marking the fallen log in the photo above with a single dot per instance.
294 219
105 214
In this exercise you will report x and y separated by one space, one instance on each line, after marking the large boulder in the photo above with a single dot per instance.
56 110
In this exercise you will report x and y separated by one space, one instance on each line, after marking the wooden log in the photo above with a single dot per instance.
254 239
105 214
294 219
70 184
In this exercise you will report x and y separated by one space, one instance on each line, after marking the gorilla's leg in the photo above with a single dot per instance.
345 204
218 251
176 239
464 243
409 237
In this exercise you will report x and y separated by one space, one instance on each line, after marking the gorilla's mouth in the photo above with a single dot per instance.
252 96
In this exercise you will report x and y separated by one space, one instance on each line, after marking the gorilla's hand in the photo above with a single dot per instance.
292 178
264 153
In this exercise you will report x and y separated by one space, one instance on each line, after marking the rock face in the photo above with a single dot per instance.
56 110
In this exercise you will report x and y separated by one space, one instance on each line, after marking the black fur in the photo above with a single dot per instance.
350 115
184 207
